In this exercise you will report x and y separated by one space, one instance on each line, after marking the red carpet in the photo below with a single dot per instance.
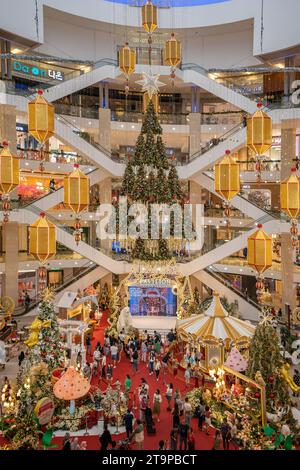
163 428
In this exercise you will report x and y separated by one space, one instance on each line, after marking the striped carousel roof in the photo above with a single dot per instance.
215 322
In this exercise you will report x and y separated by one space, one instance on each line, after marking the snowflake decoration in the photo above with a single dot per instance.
266 318
150 83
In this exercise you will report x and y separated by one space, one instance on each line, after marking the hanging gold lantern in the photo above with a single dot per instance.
259 256
127 63
259 135
42 239
172 53
41 122
77 196
290 202
146 100
9 177
149 17
227 180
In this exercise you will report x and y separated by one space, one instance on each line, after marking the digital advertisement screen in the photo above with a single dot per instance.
152 301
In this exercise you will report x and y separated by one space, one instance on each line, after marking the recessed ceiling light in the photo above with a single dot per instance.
59 215
132 127
26 163
173 128
122 125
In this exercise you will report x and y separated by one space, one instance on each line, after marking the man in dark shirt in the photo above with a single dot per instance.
128 421
105 438
183 434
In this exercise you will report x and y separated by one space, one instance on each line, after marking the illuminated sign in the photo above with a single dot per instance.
38 72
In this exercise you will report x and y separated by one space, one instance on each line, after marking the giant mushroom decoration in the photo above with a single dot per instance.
71 386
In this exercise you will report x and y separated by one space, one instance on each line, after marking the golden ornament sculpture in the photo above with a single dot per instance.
149 17
259 255
259 135
42 239
227 179
127 63
77 196
35 329
172 53
290 202
40 118
285 372
9 177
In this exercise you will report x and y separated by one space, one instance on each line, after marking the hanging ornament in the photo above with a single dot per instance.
290 202
41 122
149 17
259 136
227 180
259 256
42 239
127 63
150 83
172 54
77 196
9 178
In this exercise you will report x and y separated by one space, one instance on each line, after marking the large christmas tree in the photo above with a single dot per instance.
265 357
151 179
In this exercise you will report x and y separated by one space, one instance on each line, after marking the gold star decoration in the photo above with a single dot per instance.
47 294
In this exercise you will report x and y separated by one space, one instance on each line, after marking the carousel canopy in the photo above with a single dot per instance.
215 322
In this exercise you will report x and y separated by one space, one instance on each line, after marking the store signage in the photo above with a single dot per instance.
20 127
38 72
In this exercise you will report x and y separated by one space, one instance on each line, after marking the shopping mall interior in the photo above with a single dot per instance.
149 248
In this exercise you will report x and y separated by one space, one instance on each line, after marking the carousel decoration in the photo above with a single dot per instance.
259 256
42 239
127 63
213 330
41 122
227 180
9 177
77 196
259 136
290 202
172 54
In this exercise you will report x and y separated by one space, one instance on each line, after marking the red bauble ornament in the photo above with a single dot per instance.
271 395
271 379
257 395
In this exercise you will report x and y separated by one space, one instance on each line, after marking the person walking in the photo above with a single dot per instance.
176 416
187 376
143 405
105 438
169 394
225 433
207 421
151 363
21 357
127 384
187 412
88 345
144 350
157 366
114 354
217 440
26 302
200 415
183 435
128 421
103 366
157 399
173 439
138 435
135 359
191 440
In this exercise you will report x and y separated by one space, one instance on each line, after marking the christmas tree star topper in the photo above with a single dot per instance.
150 83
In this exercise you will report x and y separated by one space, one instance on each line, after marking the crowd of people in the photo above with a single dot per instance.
151 354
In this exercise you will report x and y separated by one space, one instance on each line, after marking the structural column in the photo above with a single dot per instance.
11 246
195 132
288 153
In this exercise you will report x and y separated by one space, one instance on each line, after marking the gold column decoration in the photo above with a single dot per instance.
41 121
155 101
77 196
259 256
259 136
42 239
172 54
227 180
290 202
9 177
127 63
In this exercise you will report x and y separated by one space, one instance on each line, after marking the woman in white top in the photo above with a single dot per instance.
157 399
169 394
157 366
